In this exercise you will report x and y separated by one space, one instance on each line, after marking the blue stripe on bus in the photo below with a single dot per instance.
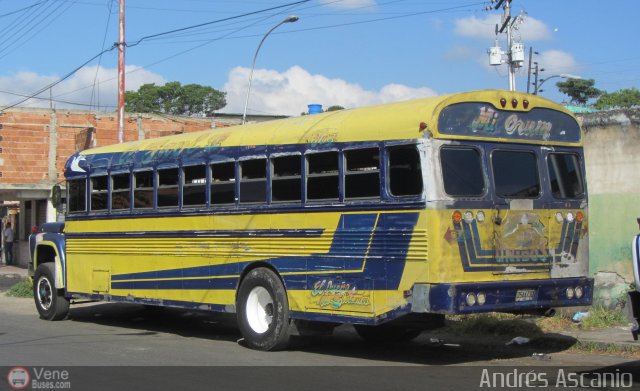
258 233
378 249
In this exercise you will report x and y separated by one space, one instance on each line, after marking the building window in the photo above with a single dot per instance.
195 185
143 190
362 173
565 175
223 182
253 181
99 193
120 192
323 176
77 190
286 179
462 171
168 188
405 172
515 174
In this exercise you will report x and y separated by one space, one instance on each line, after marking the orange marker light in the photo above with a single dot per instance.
457 216
579 216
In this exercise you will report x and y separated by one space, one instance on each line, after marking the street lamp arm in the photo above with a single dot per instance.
289 19
564 76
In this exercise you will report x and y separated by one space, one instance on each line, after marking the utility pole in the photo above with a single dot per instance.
515 51
529 69
121 75
535 83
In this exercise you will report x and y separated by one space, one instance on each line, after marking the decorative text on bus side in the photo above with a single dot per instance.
336 294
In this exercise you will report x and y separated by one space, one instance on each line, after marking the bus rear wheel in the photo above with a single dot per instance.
50 302
263 311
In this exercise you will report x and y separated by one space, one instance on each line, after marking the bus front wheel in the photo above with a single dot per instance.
263 311
50 302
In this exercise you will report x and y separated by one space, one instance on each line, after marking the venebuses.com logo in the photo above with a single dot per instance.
18 378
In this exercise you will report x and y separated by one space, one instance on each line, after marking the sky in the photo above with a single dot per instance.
351 53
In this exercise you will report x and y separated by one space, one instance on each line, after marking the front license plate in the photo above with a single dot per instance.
526 294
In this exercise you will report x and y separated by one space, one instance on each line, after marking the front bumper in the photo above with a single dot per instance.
503 296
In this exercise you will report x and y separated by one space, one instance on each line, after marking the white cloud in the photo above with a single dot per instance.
290 91
473 27
461 53
349 4
556 62
78 88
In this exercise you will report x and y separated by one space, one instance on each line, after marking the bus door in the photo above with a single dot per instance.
521 225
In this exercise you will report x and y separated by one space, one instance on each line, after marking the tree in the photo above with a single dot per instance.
334 108
622 98
176 99
580 90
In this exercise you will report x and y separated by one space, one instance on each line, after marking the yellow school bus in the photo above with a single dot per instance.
386 217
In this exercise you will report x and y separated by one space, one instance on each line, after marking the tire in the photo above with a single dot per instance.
386 334
50 302
263 311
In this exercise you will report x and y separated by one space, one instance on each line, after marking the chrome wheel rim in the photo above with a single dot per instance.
45 293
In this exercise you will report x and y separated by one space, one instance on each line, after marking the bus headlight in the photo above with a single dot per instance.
570 217
559 217
570 293
471 299
579 292
468 217
482 298
480 217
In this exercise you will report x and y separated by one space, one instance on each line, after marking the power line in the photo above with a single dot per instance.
22 9
216 21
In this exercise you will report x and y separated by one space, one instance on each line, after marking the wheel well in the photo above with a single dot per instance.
256 265
44 254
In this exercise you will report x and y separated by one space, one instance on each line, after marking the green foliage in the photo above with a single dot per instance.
334 108
600 318
22 289
622 98
580 90
176 99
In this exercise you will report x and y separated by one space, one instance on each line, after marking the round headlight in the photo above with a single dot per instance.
480 216
471 299
468 217
570 293
570 217
482 298
559 217
579 292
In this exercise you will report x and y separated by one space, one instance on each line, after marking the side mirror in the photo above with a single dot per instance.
56 196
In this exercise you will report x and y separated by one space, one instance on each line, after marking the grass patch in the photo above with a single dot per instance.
606 348
22 289
600 318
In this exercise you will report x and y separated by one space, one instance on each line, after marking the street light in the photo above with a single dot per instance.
562 75
289 19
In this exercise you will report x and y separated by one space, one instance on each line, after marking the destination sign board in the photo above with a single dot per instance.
484 120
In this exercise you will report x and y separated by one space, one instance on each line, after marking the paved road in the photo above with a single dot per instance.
109 334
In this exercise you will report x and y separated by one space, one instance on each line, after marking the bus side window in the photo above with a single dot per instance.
362 173
323 176
462 171
77 195
223 183
120 192
168 188
405 172
99 193
286 179
253 181
194 187
143 190
565 175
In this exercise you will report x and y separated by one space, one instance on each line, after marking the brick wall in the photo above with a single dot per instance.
27 157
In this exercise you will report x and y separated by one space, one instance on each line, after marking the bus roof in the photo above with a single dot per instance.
394 121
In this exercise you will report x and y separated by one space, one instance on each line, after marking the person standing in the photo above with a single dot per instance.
8 244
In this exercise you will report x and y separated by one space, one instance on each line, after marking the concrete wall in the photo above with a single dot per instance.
612 156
